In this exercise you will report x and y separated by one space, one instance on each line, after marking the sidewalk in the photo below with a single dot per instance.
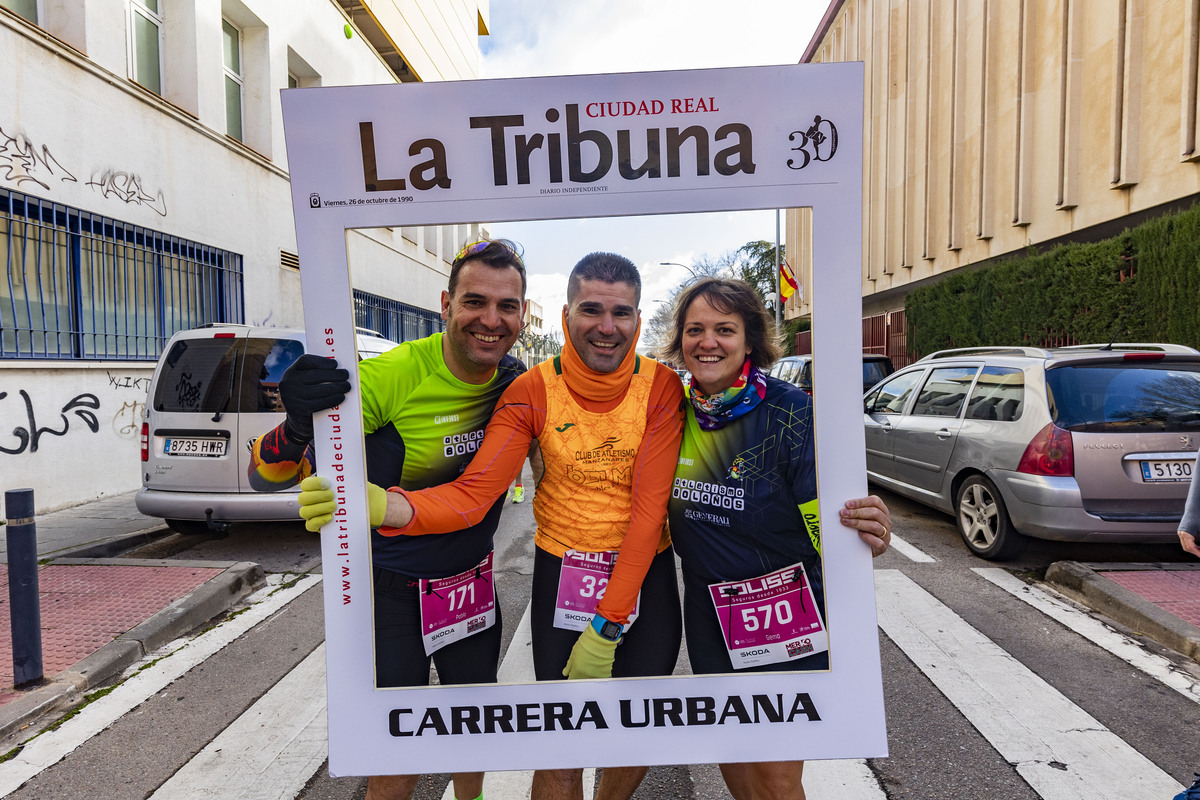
1160 601
101 614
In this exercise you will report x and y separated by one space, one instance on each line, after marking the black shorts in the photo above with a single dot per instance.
651 645
400 658
706 641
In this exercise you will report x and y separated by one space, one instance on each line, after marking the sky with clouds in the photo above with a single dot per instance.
551 37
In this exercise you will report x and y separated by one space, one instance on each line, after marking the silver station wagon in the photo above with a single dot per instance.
215 390
1086 443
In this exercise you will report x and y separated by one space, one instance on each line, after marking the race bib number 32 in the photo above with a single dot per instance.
769 619
581 586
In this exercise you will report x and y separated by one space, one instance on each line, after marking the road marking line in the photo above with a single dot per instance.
517 667
1123 647
270 751
1060 750
49 748
841 780
823 780
517 664
910 552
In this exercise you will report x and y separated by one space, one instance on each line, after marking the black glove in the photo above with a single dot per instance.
312 383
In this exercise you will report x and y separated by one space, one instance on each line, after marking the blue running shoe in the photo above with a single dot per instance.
1192 792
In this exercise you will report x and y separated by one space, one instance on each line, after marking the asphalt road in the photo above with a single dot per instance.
990 712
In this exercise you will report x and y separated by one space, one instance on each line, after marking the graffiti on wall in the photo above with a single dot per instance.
126 422
127 188
28 437
128 382
265 322
21 162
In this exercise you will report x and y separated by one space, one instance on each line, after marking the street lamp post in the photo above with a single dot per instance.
691 271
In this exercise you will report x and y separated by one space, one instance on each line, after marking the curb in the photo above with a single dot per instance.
1082 583
189 612
110 548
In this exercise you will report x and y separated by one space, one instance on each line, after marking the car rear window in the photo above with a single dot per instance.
999 394
1125 396
264 364
224 375
873 372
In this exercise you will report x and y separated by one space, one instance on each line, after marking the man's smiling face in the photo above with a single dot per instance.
483 318
602 322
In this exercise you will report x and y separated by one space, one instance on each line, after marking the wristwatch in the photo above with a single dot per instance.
607 628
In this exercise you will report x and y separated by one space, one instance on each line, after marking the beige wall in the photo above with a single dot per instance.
992 125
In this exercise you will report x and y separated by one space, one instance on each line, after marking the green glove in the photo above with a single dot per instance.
591 657
317 503
376 504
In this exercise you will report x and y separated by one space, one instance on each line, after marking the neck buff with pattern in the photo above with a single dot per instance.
600 387
714 411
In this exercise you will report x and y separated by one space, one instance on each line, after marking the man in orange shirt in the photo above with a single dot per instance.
609 423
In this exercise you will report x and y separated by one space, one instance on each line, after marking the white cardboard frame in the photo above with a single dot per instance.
782 120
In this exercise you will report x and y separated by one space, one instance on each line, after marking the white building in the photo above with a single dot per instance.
144 189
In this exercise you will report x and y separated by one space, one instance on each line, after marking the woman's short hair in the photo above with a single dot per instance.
729 296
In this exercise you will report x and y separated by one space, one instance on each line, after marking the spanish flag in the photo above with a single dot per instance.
787 281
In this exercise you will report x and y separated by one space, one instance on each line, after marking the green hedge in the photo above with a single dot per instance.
1143 285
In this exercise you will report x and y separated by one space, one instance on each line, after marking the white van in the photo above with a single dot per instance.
215 390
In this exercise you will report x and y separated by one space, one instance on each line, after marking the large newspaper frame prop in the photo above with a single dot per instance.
442 153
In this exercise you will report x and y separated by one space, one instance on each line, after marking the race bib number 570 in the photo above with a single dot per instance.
769 619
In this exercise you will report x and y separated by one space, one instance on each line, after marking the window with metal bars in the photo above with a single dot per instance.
394 320
82 286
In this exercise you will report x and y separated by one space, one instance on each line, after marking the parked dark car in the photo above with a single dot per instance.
799 370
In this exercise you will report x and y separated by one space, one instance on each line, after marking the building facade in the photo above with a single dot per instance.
992 126
144 189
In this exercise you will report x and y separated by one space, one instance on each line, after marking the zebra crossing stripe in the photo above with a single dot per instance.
1123 647
1060 750
823 780
270 751
910 552
840 780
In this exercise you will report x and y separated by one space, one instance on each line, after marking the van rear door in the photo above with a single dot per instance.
264 360
192 444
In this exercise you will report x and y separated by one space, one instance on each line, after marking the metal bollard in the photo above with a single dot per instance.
24 604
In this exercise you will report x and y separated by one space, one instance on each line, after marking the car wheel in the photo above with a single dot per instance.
188 527
983 521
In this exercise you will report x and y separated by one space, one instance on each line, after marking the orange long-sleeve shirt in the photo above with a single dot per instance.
564 518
